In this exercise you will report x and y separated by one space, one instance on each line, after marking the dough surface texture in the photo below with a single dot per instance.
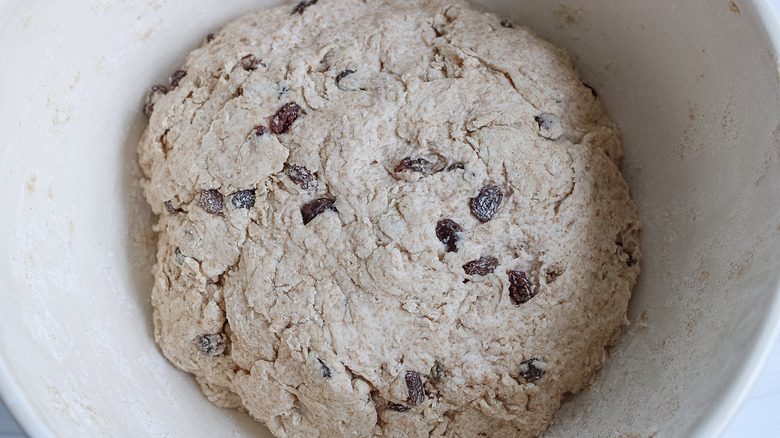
395 218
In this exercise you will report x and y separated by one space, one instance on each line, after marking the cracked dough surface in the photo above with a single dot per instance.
316 329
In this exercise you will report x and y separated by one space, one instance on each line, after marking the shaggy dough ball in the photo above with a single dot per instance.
395 218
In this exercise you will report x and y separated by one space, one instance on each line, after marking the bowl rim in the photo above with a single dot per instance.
35 424
31 422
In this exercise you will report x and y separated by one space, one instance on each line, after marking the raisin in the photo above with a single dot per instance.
456 166
148 109
549 126
211 201
530 370
631 261
420 165
415 386
546 121
396 407
592 90
176 77
211 345
506 23
486 203
482 266
169 206
149 105
243 199
162 89
325 369
520 289
344 74
437 371
299 8
178 256
312 209
249 62
260 130
447 232
284 118
301 176
209 37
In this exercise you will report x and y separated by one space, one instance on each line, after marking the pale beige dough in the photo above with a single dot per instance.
321 324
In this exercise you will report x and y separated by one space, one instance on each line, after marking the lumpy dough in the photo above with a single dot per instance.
395 218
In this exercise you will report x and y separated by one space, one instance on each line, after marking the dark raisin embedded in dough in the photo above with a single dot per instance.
211 201
415 386
437 371
171 209
260 130
396 407
454 166
592 90
546 121
284 118
520 288
506 23
250 62
209 37
531 370
344 74
482 266
301 176
176 77
312 209
631 261
447 232
178 256
149 105
549 126
243 199
325 369
300 7
159 88
211 345
420 165
486 203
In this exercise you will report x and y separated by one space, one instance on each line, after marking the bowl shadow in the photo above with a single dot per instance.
140 249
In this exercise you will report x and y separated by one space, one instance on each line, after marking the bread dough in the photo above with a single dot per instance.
395 218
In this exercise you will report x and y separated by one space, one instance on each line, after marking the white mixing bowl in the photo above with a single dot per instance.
694 85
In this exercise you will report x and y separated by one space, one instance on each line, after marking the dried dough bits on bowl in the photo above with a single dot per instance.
386 219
